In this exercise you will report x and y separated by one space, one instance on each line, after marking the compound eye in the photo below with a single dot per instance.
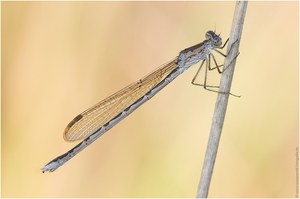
217 41
209 35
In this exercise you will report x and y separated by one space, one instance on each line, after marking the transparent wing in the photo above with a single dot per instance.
93 118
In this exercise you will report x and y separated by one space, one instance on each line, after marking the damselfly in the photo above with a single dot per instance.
98 119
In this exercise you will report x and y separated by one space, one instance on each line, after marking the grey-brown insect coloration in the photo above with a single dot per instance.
98 119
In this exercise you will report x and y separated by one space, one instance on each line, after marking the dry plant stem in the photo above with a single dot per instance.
222 99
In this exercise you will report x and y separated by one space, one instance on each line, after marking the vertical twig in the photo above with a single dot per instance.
222 100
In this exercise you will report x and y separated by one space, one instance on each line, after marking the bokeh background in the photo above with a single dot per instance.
59 58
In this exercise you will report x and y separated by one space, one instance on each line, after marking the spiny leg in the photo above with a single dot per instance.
193 80
197 73
224 44
217 66
207 87
227 54
204 85
222 48
205 77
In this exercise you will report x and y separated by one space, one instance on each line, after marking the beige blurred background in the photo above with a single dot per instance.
59 58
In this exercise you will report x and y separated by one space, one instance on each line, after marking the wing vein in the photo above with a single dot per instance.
93 118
